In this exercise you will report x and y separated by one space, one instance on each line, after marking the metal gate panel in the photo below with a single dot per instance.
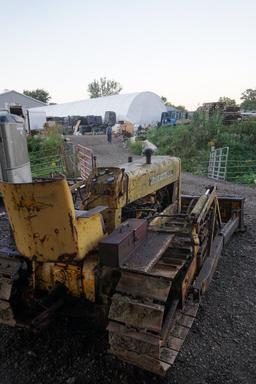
217 167
85 161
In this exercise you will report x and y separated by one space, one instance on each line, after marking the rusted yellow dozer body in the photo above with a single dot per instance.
53 239
139 249
132 189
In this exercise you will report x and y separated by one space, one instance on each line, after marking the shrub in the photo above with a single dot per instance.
135 147
192 144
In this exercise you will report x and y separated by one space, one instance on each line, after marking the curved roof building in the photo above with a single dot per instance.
141 108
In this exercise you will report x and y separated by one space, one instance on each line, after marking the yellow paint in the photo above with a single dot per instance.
61 245
89 233
79 278
89 277
144 179
132 181
44 223
49 274
112 218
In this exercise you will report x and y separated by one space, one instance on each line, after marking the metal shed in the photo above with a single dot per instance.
8 98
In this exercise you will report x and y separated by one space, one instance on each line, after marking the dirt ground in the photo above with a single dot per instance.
106 154
221 347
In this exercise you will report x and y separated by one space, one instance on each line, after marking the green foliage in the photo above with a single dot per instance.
38 94
192 143
135 147
46 153
169 104
50 142
177 141
249 100
227 101
246 178
103 87
164 99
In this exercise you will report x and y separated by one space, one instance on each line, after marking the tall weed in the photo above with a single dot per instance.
192 143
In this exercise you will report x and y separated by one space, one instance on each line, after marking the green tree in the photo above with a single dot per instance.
38 94
103 87
181 108
249 100
169 104
227 101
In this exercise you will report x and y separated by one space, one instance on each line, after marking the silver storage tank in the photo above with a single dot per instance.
14 159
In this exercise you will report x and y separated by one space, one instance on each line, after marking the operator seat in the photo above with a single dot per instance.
44 222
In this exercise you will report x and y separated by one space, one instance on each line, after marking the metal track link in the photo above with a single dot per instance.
146 328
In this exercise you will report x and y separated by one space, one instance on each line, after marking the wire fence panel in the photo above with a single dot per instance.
44 164
60 159
77 160
242 171
237 171
71 160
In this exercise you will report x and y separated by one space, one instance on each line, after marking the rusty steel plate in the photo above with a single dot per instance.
122 242
149 252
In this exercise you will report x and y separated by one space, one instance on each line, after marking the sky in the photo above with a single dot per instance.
190 51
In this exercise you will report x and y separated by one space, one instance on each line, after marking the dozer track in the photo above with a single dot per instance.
158 294
150 313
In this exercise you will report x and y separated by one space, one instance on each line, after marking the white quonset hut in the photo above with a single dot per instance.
142 108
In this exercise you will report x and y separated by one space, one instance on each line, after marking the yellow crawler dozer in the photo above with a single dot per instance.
138 249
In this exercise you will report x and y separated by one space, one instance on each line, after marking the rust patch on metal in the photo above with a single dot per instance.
43 239
30 205
73 228
67 256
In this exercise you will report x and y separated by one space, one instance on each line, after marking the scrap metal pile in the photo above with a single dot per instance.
230 114
84 124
